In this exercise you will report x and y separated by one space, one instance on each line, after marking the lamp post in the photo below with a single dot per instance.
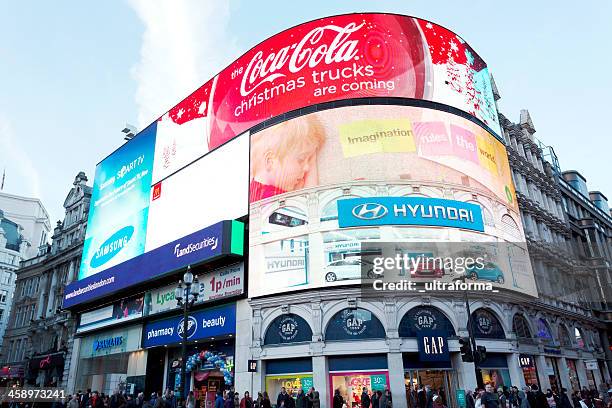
185 299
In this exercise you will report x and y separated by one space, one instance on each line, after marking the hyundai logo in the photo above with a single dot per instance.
369 211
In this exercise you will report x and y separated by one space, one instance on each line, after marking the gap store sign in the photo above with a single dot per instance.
369 211
220 239
201 324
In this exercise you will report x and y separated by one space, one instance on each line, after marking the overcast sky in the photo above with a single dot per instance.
73 73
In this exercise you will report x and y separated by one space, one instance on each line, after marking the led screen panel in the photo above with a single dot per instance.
327 186
118 211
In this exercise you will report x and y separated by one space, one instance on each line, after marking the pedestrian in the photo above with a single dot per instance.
374 399
301 401
219 400
478 399
489 400
421 397
385 400
283 397
190 400
428 397
502 401
365 398
246 401
74 401
470 402
313 398
265 403
229 400
437 402
95 401
338 401
550 399
523 398
257 402
564 401
159 401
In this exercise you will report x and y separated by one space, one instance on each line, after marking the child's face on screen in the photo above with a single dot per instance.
290 172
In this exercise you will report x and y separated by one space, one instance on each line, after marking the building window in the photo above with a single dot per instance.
6 278
520 327
3 296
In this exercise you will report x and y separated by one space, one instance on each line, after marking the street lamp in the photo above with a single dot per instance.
185 299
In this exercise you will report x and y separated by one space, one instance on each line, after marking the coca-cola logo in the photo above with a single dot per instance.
309 51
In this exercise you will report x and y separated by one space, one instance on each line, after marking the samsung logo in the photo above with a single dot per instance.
112 246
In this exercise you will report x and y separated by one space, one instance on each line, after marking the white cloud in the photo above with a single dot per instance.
185 43
21 175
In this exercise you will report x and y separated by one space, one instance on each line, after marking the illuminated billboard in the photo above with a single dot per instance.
334 58
189 169
118 212
327 186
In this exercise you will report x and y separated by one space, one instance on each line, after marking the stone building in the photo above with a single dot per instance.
39 334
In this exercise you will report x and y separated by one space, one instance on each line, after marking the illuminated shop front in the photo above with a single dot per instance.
210 350
529 369
112 359
430 366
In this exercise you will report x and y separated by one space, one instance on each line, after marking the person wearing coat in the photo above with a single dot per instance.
524 401
313 398
338 400
301 401
365 398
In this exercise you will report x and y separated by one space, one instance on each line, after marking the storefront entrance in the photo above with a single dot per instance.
441 382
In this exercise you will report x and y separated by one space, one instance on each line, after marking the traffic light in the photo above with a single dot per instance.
466 349
481 354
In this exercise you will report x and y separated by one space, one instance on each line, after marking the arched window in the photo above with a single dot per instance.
330 211
425 318
544 331
354 324
485 325
486 214
509 226
564 336
520 327
288 328
579 337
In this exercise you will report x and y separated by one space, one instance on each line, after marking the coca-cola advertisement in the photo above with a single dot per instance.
341 57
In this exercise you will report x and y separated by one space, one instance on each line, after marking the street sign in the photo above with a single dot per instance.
252 366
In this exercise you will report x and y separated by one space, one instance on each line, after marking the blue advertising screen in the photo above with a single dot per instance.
201 324
118 213
357 212
222 238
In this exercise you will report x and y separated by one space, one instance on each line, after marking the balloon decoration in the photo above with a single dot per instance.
216 359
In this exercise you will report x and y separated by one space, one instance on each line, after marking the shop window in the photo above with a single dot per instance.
288 328
354 324
425 318
485 325
520 327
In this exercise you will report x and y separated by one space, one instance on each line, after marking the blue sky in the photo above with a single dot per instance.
73 73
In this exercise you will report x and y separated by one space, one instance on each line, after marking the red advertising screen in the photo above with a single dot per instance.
334 58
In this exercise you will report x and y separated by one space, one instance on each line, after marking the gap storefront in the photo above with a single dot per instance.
210 351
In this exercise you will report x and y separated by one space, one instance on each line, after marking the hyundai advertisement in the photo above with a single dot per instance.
327 186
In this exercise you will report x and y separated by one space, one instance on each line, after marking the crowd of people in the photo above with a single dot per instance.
533 397
418 397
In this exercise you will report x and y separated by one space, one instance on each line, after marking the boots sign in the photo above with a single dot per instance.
433 345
